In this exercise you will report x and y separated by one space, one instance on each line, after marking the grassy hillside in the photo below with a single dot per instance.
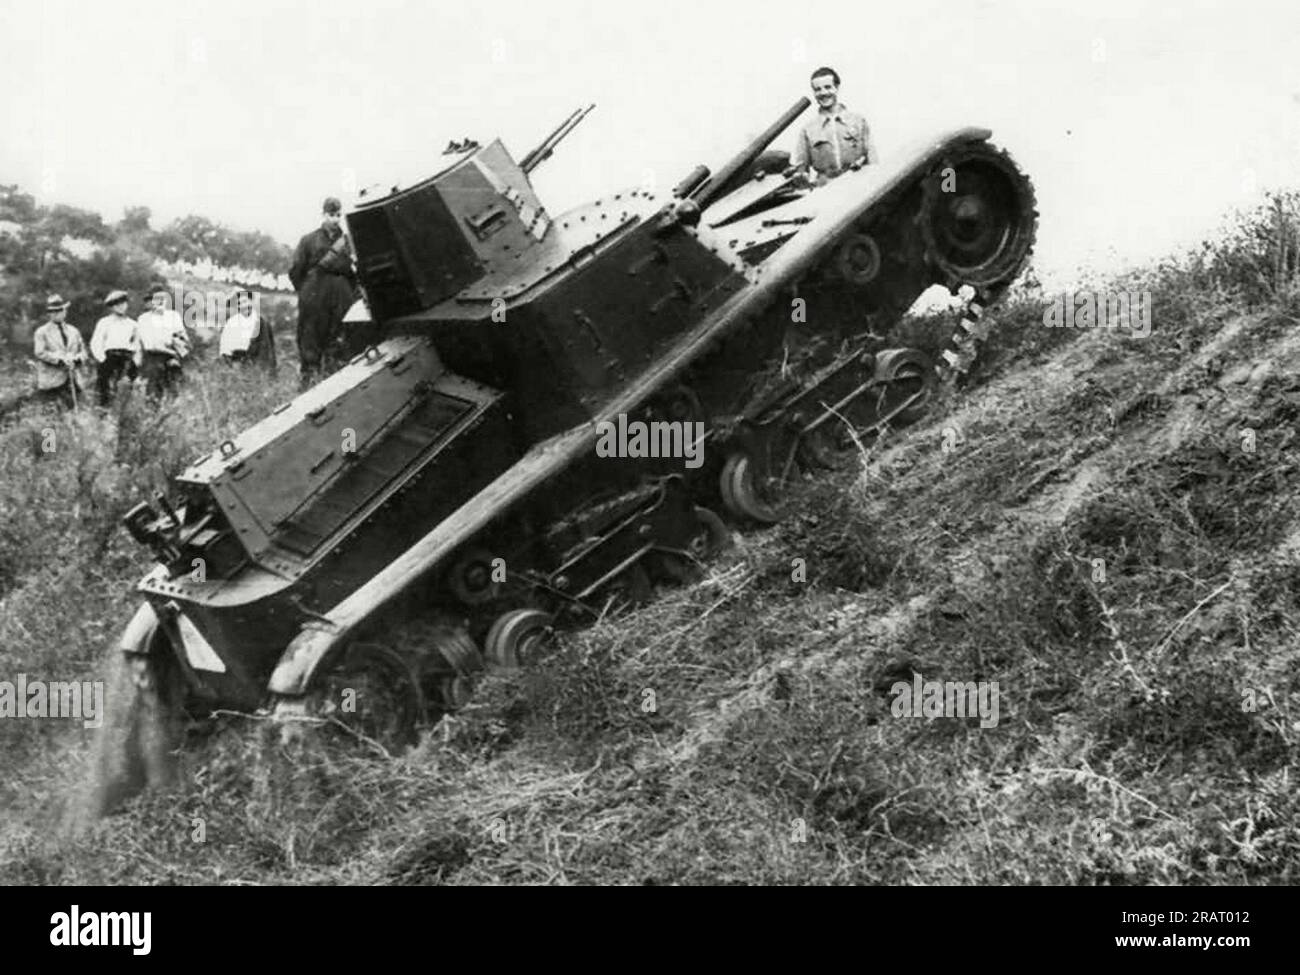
1105 525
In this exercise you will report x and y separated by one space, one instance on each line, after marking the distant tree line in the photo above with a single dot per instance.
73 252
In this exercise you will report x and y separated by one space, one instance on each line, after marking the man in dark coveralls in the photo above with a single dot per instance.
323 276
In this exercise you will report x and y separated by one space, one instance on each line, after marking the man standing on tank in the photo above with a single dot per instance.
323 276
835 140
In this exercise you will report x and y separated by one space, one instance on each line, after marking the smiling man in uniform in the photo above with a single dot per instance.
835 140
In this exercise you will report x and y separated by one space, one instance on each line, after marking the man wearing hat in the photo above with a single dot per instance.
163 343
59 353
323 277
113 346
246 336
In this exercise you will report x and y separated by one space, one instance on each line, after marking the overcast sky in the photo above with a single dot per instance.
1139 122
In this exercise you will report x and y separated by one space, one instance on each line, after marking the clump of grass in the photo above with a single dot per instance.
67 567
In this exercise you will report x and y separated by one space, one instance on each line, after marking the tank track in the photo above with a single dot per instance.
443 650
972 327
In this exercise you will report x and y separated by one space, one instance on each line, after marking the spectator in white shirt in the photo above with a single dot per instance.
164 343
246 336
114 345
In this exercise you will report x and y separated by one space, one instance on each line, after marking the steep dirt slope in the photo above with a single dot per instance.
1110 534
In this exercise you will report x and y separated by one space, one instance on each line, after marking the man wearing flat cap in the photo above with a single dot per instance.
113 346
322 275
60 354
164 344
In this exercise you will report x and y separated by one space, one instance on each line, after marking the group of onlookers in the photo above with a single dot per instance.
155 346
152 347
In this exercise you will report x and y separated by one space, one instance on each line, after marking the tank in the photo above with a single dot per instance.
563 410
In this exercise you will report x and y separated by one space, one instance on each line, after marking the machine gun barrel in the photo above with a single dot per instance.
543 151
722 182
531 158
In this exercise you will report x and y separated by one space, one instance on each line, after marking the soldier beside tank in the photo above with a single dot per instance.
323 276
60 354
113 345
246 337
163 344
835 140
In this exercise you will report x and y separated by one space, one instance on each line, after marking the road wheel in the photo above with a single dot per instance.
712 536
819 450
470 577
630 589
454 692
908 372
516 638
745 494
458 663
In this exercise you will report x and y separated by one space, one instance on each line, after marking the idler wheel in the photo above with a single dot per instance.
978 223
388 700
516 638
470 577
747 495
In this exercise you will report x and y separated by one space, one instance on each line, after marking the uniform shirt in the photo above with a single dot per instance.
53 342
238 333
113 332
162 331
832 141
324 250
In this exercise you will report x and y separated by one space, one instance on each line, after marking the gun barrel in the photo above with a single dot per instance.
534 158
531 157
722 182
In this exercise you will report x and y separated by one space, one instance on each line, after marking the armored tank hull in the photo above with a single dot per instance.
559 409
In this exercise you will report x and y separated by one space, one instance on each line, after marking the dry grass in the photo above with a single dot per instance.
1127 751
